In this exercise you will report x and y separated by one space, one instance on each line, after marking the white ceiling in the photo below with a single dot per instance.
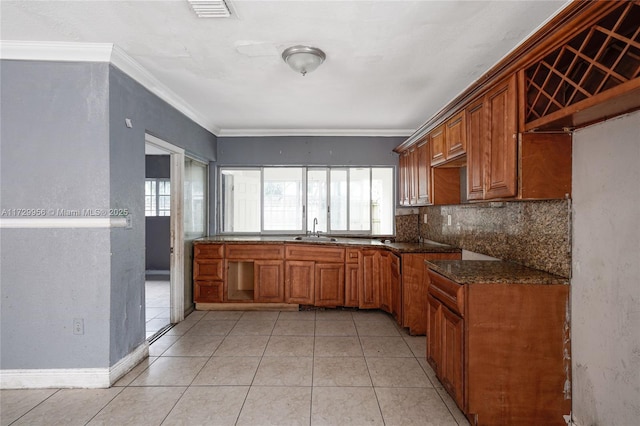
390 64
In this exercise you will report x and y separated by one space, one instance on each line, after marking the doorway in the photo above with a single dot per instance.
187 202
157 196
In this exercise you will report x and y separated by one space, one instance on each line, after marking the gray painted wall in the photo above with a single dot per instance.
157 228
64 144
149 114
605 294
308 151
54 153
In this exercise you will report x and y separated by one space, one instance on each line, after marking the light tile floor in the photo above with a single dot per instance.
329 367
157 303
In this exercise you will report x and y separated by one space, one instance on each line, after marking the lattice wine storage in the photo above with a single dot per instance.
600 58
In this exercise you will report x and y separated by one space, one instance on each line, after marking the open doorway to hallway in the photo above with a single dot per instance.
157 239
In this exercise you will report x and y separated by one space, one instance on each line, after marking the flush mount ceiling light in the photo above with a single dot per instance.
303 59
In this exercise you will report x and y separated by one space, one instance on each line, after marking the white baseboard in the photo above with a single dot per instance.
73 377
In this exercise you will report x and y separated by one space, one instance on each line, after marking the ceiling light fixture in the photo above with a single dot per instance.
303 59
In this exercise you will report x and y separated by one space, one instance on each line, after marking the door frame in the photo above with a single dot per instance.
176 226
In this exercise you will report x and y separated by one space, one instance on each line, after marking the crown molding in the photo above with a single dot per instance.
229 133
101 52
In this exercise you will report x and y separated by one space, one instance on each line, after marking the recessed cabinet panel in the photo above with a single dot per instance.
476 136
329 284
269 281
299 285
501 170
456 136
438 148
208 269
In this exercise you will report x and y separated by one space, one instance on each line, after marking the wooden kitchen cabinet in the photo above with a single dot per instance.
208 273
353 277
395 288
501 350
208 291
369 290
404 178
329 284
315 275
475 150
438 148
269 281
456 136
300 282
424 167
386 295
413 175
492 139
415 282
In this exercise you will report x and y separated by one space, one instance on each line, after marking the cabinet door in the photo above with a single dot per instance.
501 180
404 178
437 142
413 175
329 284
353 276
299 282
476 136
396 289
456 136
452 354
385 282
423 173
369 291
434 351
268 281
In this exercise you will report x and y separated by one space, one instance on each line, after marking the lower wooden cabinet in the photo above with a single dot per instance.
268 281
415 282
369 290
501 350
329 284
209 291
353 277
300 282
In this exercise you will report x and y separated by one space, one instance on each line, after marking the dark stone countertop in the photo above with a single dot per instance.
424 247
492 272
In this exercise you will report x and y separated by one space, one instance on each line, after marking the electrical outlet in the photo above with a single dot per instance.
449 219
78 326
424 218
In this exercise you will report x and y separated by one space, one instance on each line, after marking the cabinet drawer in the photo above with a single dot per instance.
316 253
255 251
203 250
208 291
450 293
208 269
353 255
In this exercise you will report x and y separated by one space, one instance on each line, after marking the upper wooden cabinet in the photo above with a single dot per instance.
449 141
456 136
492 168
501 142
592 74
438 149
423 172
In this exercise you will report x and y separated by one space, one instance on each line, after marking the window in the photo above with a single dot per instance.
288 200
157 197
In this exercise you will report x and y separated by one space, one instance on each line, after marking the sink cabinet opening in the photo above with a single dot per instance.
240 283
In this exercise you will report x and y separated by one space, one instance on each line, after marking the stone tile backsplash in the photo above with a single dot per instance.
532 233
407 230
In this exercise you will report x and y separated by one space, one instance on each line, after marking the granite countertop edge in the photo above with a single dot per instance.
399 247
492 272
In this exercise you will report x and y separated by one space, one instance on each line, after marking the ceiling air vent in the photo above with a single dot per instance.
211 8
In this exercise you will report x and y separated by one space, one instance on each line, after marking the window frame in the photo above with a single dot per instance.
305 228
156 184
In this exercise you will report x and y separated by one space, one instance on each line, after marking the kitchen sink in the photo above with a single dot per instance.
315 238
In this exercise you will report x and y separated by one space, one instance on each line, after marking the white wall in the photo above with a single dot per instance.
605 286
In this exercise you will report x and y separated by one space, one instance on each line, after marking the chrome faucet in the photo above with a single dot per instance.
315 222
